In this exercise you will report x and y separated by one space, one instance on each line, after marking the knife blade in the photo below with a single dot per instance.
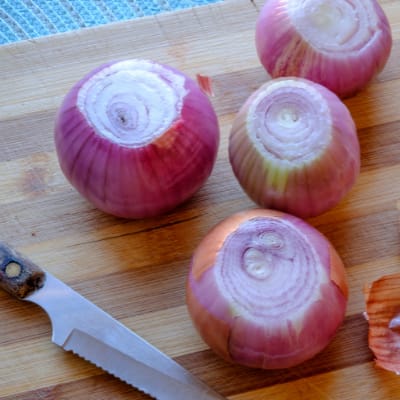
80 326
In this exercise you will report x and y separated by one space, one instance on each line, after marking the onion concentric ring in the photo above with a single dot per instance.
289 122
139 86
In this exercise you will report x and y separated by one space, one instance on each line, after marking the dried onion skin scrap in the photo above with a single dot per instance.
383 315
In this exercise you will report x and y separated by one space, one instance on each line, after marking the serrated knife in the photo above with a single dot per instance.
82 327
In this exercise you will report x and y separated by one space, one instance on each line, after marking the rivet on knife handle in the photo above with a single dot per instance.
18 275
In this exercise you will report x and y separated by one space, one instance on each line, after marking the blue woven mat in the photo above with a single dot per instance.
27 19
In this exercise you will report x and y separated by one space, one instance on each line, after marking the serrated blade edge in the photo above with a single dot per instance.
83 328
154 383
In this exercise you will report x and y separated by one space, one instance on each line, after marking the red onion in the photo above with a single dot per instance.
294 147
136 138
341 44
266 289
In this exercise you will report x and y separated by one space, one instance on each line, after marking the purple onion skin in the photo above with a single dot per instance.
284 52
143 181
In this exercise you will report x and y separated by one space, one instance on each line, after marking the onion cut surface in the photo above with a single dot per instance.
266 289
293 146
383 315
136 138
341 44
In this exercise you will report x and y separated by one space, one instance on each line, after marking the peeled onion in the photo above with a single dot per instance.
266 289
136 138
341 44
293 146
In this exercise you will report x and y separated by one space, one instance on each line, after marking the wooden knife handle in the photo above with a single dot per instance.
18 275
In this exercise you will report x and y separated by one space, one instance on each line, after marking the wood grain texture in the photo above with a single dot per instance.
136 270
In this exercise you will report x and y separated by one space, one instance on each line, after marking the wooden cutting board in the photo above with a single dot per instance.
136 270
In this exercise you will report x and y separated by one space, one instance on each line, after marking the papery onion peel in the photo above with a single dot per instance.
205 82
382 298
